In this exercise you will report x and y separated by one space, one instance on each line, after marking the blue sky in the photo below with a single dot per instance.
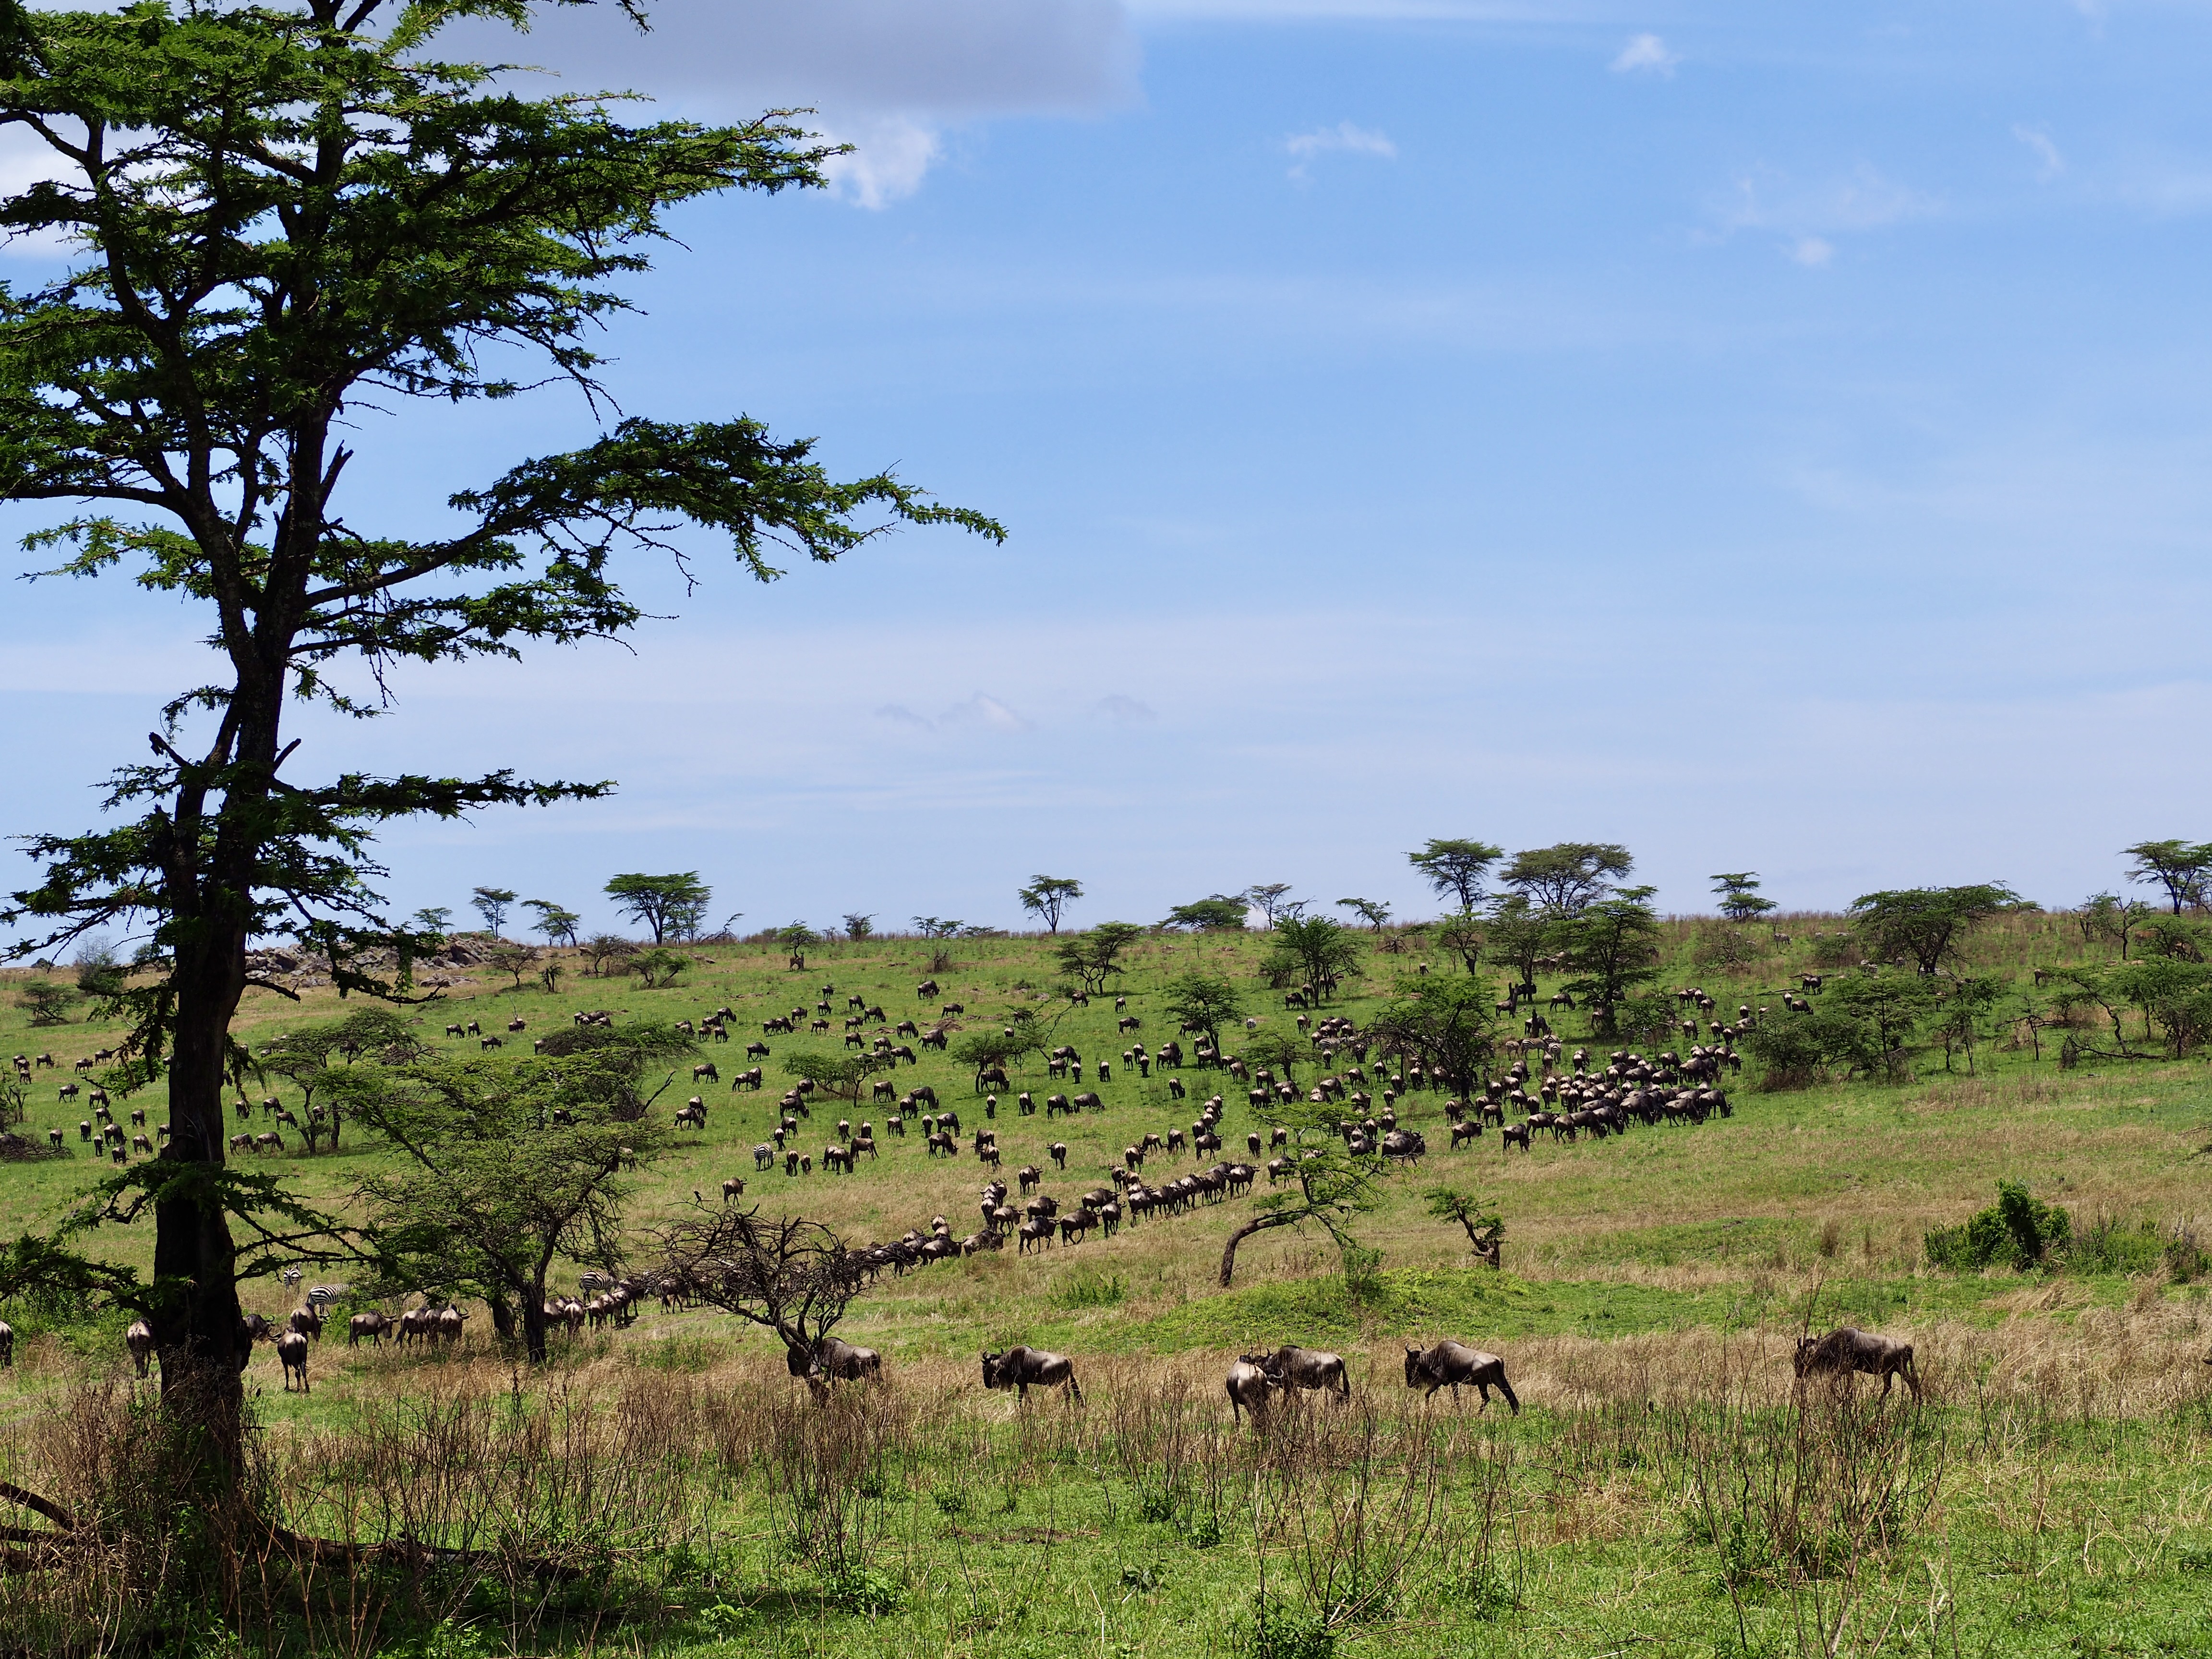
1769 436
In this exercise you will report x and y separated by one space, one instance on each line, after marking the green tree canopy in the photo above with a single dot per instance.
1448 1024
841 1075
1740 896
1316 950
672 906
1092 958
1331 1187
1373 912
511 1164
279 219
1046 896
1566 880
1217 915
1929 925
1204 1003
557 922
2183 868
1612 946
491 903
1518 934
1456 869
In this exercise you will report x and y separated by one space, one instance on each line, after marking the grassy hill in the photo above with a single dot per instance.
1662 1273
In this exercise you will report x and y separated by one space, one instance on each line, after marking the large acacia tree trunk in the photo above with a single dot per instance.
1229 1250
210 867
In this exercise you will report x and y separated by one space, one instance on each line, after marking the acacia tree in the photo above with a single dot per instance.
667 904
280 216
557 922
1445 1023
1373 912
1612 946
1046 896
1740 899
1331 1187
511 1165
1204 1003
1518 934
1566 880
1457 868
2183 868
1321 949
491 903
787 1275
1218 914
1095 956
1928 924
2107 916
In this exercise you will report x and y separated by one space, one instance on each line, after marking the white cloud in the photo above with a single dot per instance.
982 709
1344 137
890 155
1809 217
1647 54
1124 711
2051 163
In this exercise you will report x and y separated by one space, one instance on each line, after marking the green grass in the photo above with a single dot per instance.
1646 1250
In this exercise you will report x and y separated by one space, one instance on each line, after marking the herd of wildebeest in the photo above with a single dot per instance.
1543 1090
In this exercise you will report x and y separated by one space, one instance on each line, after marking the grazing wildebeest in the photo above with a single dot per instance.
373 1325
1452 1364
1311 1368
1842 1352
1250 1386
139 1340
292 1354
309 1321
834 1360
1022 1369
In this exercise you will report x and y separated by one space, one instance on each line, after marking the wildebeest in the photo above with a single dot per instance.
292 1354
1022 1369
834 1360
1310 1368
1452 1364
1250 1385
1841 1352
307 1320
373 1325
7 1344
139 1340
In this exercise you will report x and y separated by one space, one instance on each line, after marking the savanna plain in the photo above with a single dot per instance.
665 1485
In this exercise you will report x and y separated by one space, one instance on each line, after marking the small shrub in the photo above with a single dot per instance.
952 1501
1723 947
1839 950
2109 1245
869 1590
2185 1259
1087 1288
1831 1237
1203 1532
2019 1230
1281 1630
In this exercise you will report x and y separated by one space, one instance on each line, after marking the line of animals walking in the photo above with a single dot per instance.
1254 1383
